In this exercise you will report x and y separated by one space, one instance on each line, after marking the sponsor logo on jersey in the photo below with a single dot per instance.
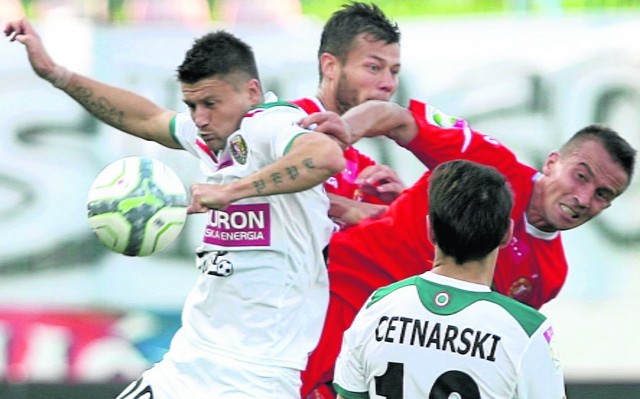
214 263
332 181
241 225
238 148
429 335
553 350
438 118
548 334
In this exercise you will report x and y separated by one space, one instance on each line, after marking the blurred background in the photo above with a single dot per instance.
79 321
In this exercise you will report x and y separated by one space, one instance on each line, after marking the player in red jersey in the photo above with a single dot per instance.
574 185
359 60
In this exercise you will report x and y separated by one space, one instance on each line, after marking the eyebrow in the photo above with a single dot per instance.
587 167
382 60
590 171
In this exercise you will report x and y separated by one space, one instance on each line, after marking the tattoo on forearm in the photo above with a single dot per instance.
308 163
259 185
101 108
276 178
292 171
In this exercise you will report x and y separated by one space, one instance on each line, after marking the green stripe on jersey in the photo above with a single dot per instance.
282 104
350 395
172 129
458 299
276 104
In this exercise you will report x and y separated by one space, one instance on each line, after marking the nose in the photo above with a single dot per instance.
389 81
583 197
200 117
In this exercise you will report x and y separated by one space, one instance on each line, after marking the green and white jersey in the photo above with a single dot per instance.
432 336
263 289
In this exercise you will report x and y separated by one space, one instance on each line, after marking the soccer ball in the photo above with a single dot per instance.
137 206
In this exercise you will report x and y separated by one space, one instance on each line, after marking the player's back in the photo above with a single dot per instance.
430 336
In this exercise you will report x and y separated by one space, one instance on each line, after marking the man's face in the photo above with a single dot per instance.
369 73
218 106
579 185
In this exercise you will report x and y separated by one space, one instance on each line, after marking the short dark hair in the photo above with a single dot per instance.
350 21
469 209
219 54
616 146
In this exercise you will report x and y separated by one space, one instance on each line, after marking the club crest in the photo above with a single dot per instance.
238 149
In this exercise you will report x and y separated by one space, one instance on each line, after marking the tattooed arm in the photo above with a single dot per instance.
117 107
312 159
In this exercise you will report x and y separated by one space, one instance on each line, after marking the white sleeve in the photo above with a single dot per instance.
272 130
185 132
349 369
540 374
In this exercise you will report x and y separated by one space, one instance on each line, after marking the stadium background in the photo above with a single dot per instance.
78 321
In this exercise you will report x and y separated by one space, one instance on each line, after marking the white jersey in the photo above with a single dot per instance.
262 295
432 336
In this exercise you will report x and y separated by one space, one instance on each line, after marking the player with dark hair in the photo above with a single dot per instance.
444 333
574 185
258 305
358 60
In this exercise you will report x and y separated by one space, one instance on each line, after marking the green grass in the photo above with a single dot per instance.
404 8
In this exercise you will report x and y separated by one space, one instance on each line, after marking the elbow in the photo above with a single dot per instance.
330 158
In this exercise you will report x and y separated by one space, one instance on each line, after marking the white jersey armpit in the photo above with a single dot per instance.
433 336
263 291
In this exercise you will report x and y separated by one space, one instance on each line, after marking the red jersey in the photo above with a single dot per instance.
343 184
374 253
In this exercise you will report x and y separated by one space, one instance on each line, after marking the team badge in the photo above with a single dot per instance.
441 299
238 149
521 289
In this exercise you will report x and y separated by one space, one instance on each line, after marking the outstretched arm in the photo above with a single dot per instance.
369 119
312 159
117 107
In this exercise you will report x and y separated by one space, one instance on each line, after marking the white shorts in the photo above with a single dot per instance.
195 377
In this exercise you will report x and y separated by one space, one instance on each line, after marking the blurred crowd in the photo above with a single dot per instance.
187 12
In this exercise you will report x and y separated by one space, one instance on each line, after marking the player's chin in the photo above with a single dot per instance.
571 224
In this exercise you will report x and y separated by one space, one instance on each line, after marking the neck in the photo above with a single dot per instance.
535 208
327 100
478 271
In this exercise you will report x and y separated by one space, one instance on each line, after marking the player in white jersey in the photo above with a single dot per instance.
444 333
258 306
263 253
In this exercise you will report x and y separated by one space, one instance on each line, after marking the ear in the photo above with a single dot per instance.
430 233
329 65
254 91
551 160
507 235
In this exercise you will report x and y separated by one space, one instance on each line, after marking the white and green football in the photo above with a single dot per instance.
137 206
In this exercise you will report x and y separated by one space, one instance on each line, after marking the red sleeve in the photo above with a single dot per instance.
444 138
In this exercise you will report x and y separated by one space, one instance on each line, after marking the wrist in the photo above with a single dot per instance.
59 77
